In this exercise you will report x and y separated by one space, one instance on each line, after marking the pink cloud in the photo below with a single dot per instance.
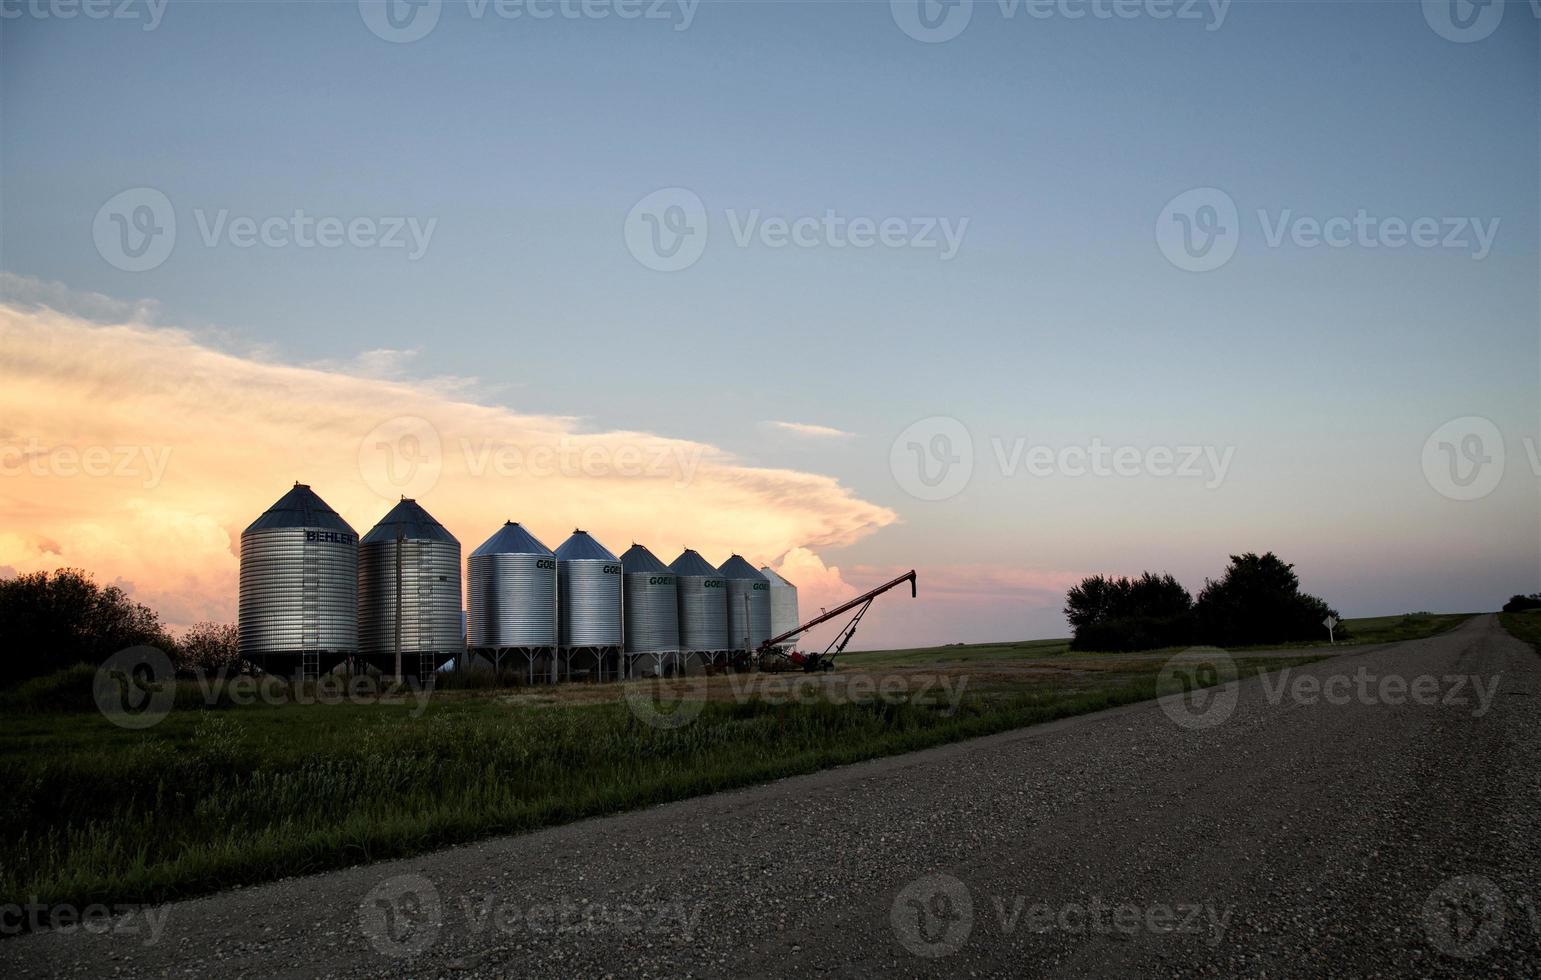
953 603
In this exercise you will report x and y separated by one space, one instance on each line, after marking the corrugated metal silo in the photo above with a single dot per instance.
429 593
748 604
589 593
512 584
783 602
299 587
652 612
703 596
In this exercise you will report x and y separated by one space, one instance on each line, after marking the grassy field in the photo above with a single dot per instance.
1523 626
1396 629
959 653
1372 629
215 796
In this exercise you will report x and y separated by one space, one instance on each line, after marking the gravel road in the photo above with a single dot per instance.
1379 815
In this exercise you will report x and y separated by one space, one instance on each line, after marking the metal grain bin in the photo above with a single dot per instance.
748 605
299 587
589 594
783 603
652 612
703 596
512 602
429 593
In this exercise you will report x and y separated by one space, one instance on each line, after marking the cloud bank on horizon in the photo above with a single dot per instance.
140 452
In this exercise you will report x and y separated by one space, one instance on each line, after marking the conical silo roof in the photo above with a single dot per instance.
410 521
581 546
773 577
300 507
512 539
638 560
691 563
736 567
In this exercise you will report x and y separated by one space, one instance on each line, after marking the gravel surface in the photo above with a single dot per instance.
1301 832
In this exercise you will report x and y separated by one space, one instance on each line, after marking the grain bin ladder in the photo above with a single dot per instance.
769 657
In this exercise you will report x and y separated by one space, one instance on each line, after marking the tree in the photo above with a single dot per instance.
1118 614
1521 603
49 622
1258 601
1159 596
1094 600
210 647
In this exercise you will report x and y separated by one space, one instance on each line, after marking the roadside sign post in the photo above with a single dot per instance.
1330 622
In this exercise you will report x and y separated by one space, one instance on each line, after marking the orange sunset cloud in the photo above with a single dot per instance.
141 452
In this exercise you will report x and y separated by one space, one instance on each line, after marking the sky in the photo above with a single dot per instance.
1008 293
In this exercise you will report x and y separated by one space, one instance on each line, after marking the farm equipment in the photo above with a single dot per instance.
772 657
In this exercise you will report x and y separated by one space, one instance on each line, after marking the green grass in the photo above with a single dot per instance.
1399 629
959 653
210 798
1524 626
1370 629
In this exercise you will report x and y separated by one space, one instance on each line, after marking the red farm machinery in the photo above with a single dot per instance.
775 653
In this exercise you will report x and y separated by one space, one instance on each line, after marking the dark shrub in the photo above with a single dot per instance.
1121 614
1258 601
52 622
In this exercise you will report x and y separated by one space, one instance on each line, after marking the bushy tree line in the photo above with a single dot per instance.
1117 614
51 621
1257 601
1523 603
